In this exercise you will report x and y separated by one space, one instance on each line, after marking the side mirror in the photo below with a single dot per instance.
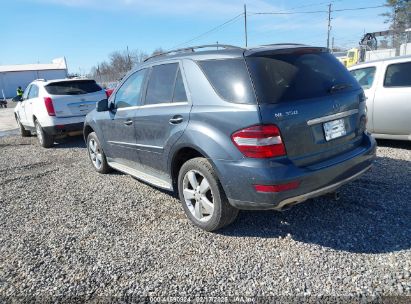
17 99
102 105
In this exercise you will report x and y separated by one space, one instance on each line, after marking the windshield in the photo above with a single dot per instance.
287 77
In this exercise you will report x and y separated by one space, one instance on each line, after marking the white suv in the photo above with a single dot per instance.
56 107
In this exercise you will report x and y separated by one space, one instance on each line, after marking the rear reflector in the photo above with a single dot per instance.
259 141
277 188
49 106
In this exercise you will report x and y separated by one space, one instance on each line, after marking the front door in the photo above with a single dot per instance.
163 117
22 106
118 127
30 102
392 102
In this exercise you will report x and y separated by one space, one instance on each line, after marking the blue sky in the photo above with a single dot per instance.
87 31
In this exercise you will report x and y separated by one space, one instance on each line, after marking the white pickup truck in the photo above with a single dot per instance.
387 86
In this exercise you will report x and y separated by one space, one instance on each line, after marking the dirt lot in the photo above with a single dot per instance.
67 231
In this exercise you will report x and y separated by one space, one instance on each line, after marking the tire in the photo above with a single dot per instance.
45 140
207 208
23 132
96 154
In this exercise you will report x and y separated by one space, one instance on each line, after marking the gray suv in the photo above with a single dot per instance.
233 128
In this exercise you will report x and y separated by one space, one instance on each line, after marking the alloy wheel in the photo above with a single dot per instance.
198 195
95 153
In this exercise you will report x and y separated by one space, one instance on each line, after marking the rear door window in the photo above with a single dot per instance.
398 75
72 87
230 79
365 76
129 94
300 75
160 88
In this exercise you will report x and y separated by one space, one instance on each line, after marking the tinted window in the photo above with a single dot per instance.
34 92
160 87
365 76
287 77
230 79
72 87
129 94
179 90
398 75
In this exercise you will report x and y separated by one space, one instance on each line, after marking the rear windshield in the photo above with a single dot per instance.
230 79
72 87
287 77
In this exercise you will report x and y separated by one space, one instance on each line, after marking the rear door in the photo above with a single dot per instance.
163 117
392 102
74 97
118 126
312 98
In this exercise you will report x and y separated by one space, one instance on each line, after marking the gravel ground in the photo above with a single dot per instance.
67 231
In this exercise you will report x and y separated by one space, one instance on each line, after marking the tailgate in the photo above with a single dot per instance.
315 102
75 97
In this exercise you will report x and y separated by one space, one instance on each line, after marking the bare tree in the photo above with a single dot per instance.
118 64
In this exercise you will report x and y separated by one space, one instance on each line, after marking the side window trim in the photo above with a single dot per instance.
148 76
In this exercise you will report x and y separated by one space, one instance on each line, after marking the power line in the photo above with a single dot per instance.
209 31
315 12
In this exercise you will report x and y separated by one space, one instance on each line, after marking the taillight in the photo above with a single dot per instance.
262 141
49 106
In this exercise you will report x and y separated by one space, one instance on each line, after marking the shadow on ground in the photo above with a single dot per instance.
70 142
372 216
398 144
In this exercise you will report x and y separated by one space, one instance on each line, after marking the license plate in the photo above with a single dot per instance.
334 129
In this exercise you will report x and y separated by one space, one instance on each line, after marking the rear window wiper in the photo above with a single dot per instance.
339 87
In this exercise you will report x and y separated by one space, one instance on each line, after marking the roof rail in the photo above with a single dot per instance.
192 48
285 43
40 79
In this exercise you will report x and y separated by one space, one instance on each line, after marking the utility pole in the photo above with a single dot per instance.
332 45
245 25
129 60
329 26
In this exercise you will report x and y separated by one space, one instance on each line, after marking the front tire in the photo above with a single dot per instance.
96 154
203 197
45 140
23 131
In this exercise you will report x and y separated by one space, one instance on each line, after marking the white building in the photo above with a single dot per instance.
13 76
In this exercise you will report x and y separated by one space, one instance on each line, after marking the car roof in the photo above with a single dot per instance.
390 59
225 51
221 51
45 82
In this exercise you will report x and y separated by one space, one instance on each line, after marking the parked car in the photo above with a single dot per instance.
110 88
56 108
387 86
234 128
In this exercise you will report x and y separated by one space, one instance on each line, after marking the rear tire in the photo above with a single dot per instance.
97 155
45 140
202 196
23 131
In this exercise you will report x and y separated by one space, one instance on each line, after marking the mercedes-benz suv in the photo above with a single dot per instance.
233 128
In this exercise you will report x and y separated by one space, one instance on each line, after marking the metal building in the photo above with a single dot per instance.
12 76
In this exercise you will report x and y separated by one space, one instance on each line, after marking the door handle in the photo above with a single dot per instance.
128 122
176 120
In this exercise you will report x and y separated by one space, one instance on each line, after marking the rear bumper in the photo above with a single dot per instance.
66 129
239 178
